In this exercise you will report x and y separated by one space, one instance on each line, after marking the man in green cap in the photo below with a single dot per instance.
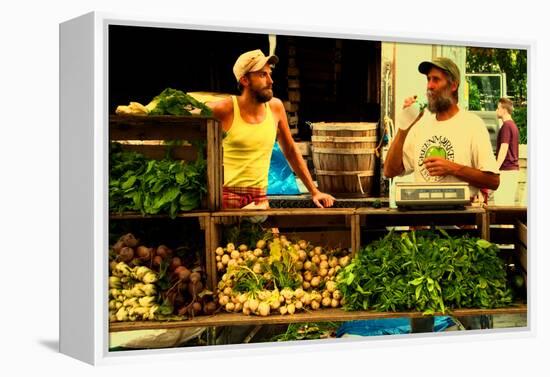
446 144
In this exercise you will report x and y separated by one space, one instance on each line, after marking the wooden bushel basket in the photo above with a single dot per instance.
344 157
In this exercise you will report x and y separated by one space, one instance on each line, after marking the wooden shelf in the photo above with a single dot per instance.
406 212
286 212
139 216
321 315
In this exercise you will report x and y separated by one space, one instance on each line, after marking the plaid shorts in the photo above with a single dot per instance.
238 197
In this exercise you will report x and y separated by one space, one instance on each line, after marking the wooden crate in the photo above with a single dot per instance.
146 134
332 227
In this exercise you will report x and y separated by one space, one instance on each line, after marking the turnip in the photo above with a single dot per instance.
306 285
183 273
253 304
157 260
129 240
232 263
306 299
323 272
230 306
144 252
316 260
315 281
323 257
175 263
299 305
337 294
331 272
317 250
302 255
334 303
275 304
126 254
299 293
291 308
326 301
225 259
118 245
246 311
298 265
219 266
302 244
283 310
218 258
260 244
219 251
258 252
264 309
308 265
343 261
235 254
163 251
331 286
230 247
308 276
195 288
195 277
243 247
224 300
333 262
324 265
325 294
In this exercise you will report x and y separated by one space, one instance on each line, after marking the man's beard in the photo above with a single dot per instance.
262 95
440 102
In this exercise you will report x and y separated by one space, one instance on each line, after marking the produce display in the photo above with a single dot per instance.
425 272
151 187
278 276
153 283
168 102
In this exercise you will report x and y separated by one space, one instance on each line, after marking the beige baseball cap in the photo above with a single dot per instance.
445 64
252 61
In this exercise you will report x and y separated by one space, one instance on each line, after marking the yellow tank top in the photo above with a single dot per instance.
247 150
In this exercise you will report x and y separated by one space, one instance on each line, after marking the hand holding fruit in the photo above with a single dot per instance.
439 166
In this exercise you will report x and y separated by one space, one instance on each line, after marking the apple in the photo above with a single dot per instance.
436 151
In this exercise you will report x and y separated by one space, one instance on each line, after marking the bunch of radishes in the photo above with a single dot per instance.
278 276
132 293
181 288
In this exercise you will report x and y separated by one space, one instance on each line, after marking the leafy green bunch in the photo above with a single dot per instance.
427 273
175 102
155 186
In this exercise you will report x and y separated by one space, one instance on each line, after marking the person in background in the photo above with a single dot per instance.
252 122
507 154
447 144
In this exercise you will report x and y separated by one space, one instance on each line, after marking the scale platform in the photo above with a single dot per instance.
432 195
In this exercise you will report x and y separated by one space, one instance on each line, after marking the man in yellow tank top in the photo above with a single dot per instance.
252 122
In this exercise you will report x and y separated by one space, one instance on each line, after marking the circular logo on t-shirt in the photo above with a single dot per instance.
435 146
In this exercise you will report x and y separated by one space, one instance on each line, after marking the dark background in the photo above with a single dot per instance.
339 78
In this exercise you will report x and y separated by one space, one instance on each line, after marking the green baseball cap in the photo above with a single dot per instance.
445 64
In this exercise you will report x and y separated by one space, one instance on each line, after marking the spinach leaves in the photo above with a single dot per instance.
425 272
154 186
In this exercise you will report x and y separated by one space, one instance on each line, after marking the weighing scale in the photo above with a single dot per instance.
432 195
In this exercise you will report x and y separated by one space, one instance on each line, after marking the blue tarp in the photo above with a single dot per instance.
281 177
387 326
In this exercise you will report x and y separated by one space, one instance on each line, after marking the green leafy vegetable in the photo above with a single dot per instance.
175 102
425 272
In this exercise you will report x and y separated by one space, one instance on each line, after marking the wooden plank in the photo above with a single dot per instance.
209 255
139 216
522 254
158 152
157 128
287 212
321 315
210 168
522 232
507 214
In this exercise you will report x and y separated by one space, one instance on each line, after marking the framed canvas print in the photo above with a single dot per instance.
230 188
